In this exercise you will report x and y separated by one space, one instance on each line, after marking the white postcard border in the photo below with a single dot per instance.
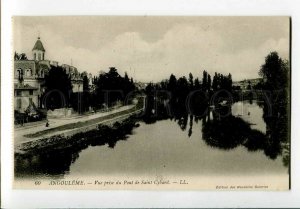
51 199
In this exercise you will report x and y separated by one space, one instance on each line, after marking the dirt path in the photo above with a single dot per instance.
64 125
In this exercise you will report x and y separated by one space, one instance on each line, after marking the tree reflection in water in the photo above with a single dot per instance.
191 126
220 129
230 132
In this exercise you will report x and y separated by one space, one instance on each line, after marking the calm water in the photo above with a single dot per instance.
186 145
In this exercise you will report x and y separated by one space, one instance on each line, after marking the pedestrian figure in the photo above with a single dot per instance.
47 123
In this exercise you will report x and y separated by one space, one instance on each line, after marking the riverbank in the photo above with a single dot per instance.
100 134
30 137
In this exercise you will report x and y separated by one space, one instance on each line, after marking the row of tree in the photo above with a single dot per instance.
109 88
181 87
219 82
174 96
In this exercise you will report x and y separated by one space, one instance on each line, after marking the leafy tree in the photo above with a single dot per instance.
58 88
274 71
182 88
222 82
208 82
259 86
164 84
204 81
111 87
127 84
86 81
249 85
229 82
172 86
191 81
197 84
172 83
215 82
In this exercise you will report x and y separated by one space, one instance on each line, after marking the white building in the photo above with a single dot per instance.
29 78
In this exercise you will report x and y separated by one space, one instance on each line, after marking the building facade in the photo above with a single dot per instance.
29 79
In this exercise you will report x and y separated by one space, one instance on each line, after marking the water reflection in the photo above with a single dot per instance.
223 130
220 129
230 132
55 163
191 126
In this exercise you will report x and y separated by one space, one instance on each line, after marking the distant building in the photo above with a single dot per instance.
76 78
29 78
247 84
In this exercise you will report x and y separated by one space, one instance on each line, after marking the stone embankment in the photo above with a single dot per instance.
69 134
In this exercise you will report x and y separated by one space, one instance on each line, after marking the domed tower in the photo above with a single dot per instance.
38 51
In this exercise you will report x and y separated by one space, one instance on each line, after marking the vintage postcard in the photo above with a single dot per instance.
152 102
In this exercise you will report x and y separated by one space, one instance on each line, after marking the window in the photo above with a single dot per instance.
20 73
34 56
39 56
28 72
30 92
18 93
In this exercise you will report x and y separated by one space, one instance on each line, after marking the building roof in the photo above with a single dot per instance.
38 45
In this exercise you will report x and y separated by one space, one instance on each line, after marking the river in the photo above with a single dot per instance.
184 146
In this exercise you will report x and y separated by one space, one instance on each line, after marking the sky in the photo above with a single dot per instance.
149 48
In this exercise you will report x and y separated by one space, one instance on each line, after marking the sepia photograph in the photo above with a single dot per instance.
152 102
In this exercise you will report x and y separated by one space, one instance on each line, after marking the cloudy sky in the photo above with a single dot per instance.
151 48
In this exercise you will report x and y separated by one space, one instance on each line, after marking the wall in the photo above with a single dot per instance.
24 98
62 112
77 86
